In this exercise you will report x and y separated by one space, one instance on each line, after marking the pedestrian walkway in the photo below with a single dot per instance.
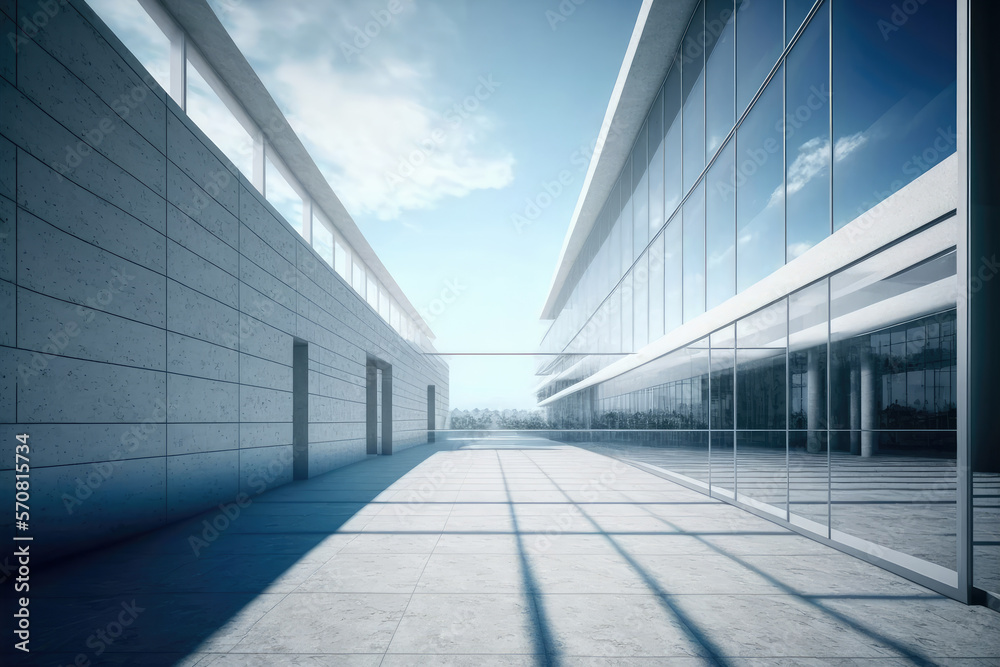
491 551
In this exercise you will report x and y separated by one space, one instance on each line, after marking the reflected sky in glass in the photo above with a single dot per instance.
673 274
760 234
640 195
720 209
759 43
807 136
655 121
693 72
720 79
894 99
694 253
672 140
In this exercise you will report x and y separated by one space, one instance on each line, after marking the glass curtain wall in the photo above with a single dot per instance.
833 408
746 122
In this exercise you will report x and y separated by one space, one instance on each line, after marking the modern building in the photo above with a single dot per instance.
776 285
190 315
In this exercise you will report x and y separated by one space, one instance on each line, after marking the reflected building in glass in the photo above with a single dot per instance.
760 289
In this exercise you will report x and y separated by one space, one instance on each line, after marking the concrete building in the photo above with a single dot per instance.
774 288
188 317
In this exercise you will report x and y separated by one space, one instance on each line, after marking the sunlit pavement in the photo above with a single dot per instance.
495 551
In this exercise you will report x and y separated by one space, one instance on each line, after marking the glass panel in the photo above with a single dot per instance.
372 293
808 469
762 470
760 378
693 73
140 35
219 124
341 260
760 189
383 304
895 104
723 365
723 463
322 240
795 13
758 45
614 256
672 140
626 217
640 195
720 215
282 197
615 320
694 254
720 67
809 480
893 390
359 280
656 288
807 137
627 344
656 218
640 302
673 275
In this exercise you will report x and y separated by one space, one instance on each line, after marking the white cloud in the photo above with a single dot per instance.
378 124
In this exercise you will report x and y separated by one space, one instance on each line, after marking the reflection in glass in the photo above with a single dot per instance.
893 400
720 69
694 253
760 206
720 216
808 468
795 13
760 377
640 302
656 217
762 470
628 256
626 289
656 288
673 275
723 461
693 71
759 43
894 105
672 140
640 195
807 137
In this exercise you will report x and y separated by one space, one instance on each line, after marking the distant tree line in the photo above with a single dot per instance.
469 420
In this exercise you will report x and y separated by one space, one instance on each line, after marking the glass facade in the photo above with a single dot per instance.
834 408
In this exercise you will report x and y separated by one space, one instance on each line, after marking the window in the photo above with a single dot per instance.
140 35
322 240
342 260
359 278
895 101
280 193
760 189
672 149
693 71
216 120
720 216
640 195
720 74
759 43
372 293
694 253
807 137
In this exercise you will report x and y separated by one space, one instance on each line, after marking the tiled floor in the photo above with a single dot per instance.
483 553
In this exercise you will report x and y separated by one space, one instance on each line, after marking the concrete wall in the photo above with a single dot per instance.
150 301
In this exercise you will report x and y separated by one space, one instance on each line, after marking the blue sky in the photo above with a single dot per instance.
532 92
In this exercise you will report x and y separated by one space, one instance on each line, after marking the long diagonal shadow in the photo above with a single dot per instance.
812 600
542 636
688 625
